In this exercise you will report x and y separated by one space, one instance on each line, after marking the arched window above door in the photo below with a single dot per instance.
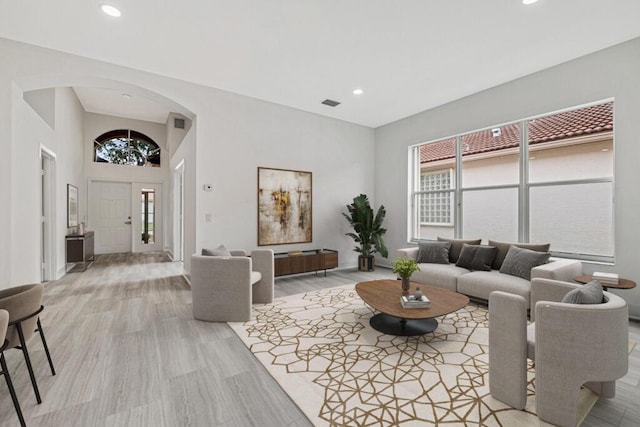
126 147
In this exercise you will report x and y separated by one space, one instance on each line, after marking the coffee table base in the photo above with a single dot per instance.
403 327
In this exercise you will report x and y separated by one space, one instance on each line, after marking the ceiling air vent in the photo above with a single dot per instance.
178 123
330 102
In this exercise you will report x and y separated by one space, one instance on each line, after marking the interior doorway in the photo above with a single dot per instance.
47 215
178 212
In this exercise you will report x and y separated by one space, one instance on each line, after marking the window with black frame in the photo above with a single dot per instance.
126 147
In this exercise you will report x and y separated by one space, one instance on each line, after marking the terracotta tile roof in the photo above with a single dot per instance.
562 126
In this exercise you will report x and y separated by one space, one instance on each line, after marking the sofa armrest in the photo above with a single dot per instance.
409 253
562 269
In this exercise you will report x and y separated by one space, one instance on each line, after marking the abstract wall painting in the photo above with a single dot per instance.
284 206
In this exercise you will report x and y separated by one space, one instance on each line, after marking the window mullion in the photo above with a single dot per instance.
523 188
457 206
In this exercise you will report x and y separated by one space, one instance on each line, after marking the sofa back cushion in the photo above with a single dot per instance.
456 246
520 261
476 257
503 248
433 252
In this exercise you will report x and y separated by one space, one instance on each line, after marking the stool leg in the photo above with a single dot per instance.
23 345
12 391
46 347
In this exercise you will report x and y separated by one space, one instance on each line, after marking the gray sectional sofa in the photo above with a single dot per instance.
479 283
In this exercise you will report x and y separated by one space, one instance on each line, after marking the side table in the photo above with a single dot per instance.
622 283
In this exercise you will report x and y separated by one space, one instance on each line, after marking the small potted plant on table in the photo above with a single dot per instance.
404 268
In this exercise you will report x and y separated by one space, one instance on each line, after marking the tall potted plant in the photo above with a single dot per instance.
368 231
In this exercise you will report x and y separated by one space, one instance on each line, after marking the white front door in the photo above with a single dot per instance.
111 216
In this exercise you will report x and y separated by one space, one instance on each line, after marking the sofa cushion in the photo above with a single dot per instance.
480 284
441 275
519 261
503 248
219 251
476 257
590 293
433 252
456 246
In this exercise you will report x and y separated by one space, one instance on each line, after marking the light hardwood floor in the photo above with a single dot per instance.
128 353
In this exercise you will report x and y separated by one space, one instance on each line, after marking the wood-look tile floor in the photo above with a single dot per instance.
128 353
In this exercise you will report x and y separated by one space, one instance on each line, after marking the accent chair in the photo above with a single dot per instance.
4 324
24 304
571 345
224 287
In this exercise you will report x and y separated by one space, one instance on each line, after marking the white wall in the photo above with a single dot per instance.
6 183
248 134
186 154
69 148
30 130
97 124
231 137
30 133
609 73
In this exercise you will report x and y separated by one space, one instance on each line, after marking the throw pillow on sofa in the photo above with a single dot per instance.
476 257
520 261
456 246
591 293
434 252
503 248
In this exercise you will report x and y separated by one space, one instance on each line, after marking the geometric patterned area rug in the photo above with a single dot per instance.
320 348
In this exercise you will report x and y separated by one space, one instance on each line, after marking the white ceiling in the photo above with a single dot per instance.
123 104
408 55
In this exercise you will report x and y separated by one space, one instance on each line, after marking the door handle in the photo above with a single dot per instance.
127 222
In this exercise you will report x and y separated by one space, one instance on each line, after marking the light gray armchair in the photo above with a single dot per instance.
571 344
223 288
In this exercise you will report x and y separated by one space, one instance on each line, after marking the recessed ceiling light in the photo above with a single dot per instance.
358 91
529 1
110 10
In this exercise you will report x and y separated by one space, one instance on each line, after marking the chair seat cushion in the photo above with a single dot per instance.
255 277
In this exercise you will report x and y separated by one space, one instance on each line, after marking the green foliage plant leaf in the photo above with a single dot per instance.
368 232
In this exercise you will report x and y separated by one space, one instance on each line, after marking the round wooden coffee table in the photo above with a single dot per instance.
393 319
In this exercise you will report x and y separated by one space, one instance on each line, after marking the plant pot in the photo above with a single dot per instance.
366 263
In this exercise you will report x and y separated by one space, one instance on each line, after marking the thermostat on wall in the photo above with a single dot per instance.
207 187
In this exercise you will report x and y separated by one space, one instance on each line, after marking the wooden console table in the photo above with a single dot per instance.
79 250
305 261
